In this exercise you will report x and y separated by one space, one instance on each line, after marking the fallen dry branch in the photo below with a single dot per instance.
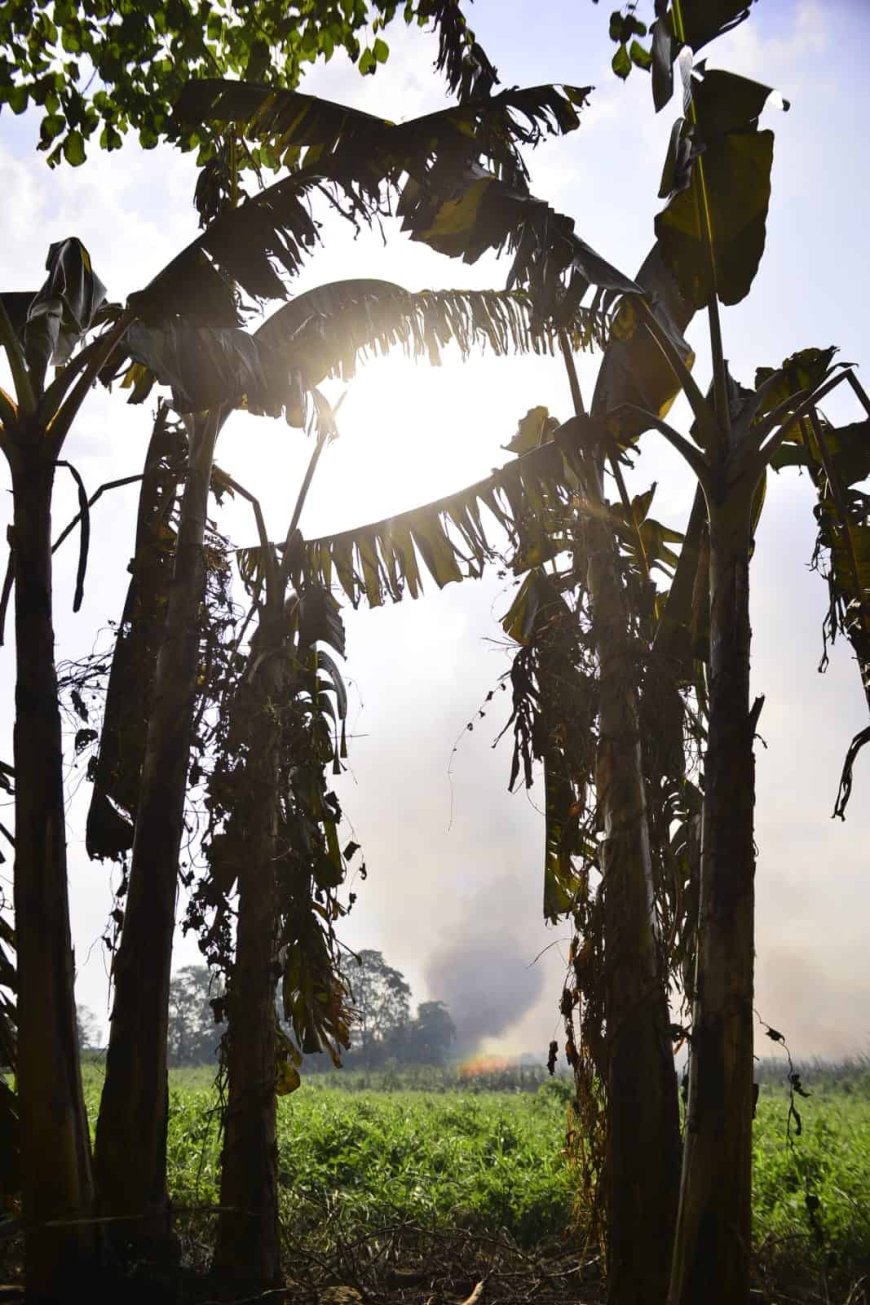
476 1294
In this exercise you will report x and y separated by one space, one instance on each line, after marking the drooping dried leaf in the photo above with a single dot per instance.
451 537
117 767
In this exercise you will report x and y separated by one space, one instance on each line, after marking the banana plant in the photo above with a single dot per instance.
274 370
642 1123
278 736
36 330
717 183
325 331
556 268
594 703
546 505
730 467
710 238
562 707
273 840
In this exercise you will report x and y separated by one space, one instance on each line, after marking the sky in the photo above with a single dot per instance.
454 886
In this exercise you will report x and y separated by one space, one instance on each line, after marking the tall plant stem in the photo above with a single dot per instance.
300 504
131 1131
642 1156
55 1147
712 1245
247 1246
720 376
580 411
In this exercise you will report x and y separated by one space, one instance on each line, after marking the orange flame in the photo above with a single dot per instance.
477 1065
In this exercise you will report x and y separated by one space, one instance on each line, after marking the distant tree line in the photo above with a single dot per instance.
383 1031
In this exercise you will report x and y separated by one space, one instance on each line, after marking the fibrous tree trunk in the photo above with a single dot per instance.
247 1246
641 1176
712 1247
55 1147
130 1153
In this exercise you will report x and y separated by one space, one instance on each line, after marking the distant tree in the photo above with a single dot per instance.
87 1028
429 1036
193 1034
381 1003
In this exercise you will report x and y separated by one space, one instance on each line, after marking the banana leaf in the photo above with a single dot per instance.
324 332
52 320
717 174
352 156
451 538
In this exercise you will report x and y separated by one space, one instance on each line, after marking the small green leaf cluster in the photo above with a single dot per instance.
97 69
372 55
625 28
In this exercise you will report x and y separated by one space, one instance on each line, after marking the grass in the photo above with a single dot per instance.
358 1165
487 1161
811 1195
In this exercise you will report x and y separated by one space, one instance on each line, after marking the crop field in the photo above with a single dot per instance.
379 1185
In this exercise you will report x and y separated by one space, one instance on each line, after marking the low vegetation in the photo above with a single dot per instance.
420 1179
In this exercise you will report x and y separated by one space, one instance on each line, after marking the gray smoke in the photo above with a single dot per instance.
821 1008
486 981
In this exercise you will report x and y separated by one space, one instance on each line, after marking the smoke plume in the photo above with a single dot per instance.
486 981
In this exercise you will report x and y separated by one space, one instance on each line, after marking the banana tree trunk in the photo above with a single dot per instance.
247 1248
55 1147
130 1153
712 1247
643 1141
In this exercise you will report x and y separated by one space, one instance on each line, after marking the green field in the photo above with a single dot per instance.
369 1173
